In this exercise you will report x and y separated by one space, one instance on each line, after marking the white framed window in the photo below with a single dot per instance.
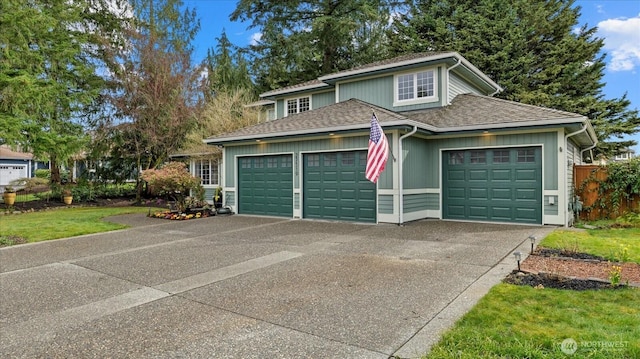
297 105
415 87
207 171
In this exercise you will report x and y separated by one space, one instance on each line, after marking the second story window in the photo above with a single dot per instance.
415 87
297 105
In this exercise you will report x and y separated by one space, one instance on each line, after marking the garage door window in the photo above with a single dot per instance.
478 157
348 159
272 162
526 156
456 158
313 160
500 156
286 162
245 163
330 160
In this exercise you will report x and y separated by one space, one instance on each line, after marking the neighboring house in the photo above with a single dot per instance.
624 155
455 152
17 164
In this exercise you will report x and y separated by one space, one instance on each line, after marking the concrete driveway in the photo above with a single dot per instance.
249 287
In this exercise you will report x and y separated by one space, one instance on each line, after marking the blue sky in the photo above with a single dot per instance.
618 23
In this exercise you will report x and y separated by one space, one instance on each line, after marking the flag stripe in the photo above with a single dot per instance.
378 151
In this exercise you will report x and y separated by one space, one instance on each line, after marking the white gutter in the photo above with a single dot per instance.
448 71
400 186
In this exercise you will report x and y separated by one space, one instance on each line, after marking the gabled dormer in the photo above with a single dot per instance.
404 83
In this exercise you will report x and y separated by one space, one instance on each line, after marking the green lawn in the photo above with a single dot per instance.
614 244
63 222
522 322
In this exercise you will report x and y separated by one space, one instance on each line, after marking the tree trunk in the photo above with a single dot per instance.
55 170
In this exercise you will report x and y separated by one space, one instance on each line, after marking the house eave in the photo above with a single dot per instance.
274 93
317 131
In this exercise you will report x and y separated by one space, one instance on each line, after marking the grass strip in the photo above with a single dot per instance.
617 244
63 222
522 322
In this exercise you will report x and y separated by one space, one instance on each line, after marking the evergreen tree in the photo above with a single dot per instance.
50 54
227 69
531 48
302 40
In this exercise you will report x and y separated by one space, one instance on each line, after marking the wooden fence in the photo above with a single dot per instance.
589 194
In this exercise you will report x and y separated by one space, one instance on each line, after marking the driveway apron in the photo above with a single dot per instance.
249 287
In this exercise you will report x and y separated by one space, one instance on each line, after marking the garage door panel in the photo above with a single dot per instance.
458 211
478 175
506 188
526 194
478 193
501 213
456 175
459 193
478 212
526 175
501 174
343 193
501 193
526 215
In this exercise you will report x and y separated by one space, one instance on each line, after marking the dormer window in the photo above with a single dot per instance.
297 105
415 87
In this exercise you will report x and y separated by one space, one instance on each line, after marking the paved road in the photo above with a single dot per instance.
249 287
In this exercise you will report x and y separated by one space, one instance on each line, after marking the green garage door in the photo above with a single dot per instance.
502 185
335 187
265 185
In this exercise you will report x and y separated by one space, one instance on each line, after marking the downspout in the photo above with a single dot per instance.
588 149
448 71
566 144
400 177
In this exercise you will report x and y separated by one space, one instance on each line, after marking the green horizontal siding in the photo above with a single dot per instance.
385 204
550 210
421 202
230 198
458 86
208 194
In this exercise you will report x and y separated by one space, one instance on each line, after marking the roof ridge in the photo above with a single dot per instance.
378 108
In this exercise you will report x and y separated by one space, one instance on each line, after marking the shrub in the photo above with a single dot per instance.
174 180
43 173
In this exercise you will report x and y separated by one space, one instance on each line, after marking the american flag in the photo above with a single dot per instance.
378 151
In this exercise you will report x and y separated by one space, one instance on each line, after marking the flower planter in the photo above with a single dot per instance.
9 198
67 199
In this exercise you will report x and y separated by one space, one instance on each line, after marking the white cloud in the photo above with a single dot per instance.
622 42
255 38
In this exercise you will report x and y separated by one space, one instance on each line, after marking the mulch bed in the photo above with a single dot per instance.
552 268
547 280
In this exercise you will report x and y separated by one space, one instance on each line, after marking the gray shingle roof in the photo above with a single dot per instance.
466 112
469 110
347 114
